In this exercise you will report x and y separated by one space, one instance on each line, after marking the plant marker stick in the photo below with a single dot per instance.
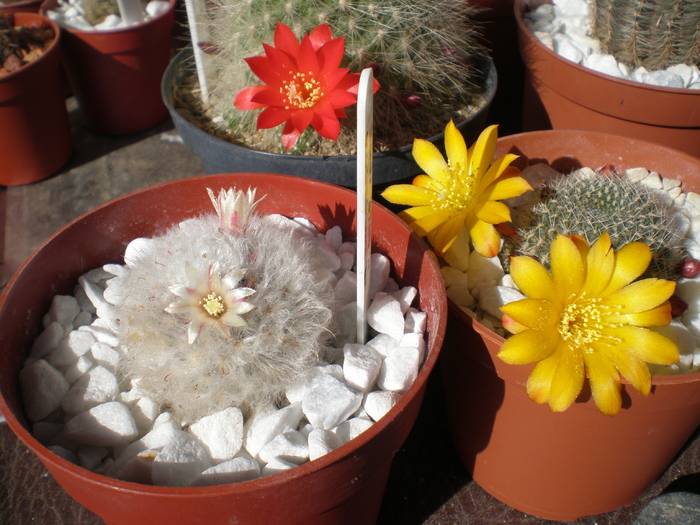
196 10
364 198
131 11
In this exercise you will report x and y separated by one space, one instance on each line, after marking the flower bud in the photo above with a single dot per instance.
678 306
689 268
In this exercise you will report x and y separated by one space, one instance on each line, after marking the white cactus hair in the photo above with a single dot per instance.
288 331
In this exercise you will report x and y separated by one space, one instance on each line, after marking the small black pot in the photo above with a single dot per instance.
221 156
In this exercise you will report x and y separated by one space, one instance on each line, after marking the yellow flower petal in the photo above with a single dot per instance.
647 344
538 314
513 326
599 265
567 267
408 195
631 261
641 295
532 278
418 212
429 158
455 147
540 380
498 169
485 238
528 346
483 150
424 225
659 316
447 233
493 212
605 383
629 364
429 183
567 380
507 188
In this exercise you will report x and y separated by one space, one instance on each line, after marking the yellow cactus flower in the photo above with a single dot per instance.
462 192
588 315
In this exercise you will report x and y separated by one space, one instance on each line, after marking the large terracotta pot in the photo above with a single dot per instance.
579 462
560 94
344 486
219 155
35 133
115 75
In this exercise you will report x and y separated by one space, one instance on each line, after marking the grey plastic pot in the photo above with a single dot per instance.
220 156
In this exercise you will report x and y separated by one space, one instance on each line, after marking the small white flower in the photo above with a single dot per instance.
234 208
211 301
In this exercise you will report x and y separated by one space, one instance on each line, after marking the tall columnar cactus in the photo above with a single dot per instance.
425 54
650 33
589 206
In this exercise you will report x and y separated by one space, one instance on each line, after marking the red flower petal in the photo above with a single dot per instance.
271 117
285 39
262 68
320 35
290 135
307 61
330 55
244 98
326 125
302 119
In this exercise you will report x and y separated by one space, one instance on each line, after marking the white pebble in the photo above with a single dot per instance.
47 340
414 340
221 433
98 385
385 316
138 469
361 366
145 411
180 462
106 425
346 288
91 457
352 428
43 387
380 267
103 331
494 297
77 369
321 442
104 355
405 296
290 446
416 321
377 404
399 370
69 349
232 471
64 453
276 466
263 429
328 401
384 344
63 310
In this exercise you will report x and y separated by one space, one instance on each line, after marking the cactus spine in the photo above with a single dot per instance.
591 205
654 34
424 52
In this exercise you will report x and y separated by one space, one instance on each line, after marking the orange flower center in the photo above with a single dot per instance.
214 305
302 91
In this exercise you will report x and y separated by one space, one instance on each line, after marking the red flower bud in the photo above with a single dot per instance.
411 101
689 268
678 306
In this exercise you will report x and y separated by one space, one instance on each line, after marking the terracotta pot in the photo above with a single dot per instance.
35 133
24 6
344 486
579 462
560 94
115 75
222 156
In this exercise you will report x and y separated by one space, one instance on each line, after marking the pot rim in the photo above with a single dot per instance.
34 20
521 6
320 463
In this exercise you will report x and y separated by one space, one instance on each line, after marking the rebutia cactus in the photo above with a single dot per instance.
591 205
655 34
179 342
425 54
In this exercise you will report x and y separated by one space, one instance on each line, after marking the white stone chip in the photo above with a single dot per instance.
103 331
399 370
43 387
414 340
384 344
139 469
105 310
64 453
405 296
321 442
494 297
416 321
47 341
334 236
347 260
104 355
361 366
106 425
63 310
145 411
235 470
83 301
385 316
70 348
290 446
263 429
346 288
91 457
328 401
378 403
180 462
221 433
82 319
380 267
78 369
98 385
276 466
325 251
351 428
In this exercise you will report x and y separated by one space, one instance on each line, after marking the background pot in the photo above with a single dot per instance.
579 462
220 156
346 485
35 133
560 94
115 75
25 6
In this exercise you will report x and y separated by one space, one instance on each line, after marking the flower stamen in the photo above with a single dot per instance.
214 305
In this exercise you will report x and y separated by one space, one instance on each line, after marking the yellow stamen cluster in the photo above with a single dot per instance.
302 91
214 305
457 193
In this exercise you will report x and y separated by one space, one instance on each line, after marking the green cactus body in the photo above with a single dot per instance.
427 48
655 34
591 205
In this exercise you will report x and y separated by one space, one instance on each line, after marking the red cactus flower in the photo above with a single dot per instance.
304 85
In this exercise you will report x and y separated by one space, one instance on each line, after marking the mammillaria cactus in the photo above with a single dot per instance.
425 55
655 34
